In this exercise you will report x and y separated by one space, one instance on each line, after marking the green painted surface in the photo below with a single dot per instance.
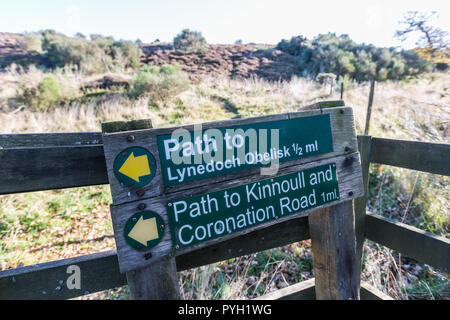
144 223
134 167
212 215
206 153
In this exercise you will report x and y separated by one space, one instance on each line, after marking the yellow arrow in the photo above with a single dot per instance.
144 230
135 167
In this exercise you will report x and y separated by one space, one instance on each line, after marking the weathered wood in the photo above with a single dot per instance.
273 236
350 186
120 126
35 140
98 271
102 269
304 290
157 281
369 107
414 155
334 254
324 104
371 293
343 133
364 144
46 168
410 241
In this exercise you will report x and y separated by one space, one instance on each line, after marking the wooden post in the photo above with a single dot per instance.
157 281
342 91
364 146
334 257
369 107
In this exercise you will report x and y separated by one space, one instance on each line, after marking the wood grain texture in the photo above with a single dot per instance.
306 290
414 155
334 255
410 241
364 146
36 140
157 281
47 281
343 133
46 168
350 186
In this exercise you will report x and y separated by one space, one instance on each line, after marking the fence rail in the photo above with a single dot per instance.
53 161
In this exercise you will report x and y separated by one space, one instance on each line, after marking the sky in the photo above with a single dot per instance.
225 21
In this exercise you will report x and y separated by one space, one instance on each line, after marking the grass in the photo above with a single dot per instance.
44 226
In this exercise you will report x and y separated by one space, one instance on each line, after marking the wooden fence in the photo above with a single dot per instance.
77 159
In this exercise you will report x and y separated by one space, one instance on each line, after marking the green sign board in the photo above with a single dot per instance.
134 167
144 230
199 154
208 216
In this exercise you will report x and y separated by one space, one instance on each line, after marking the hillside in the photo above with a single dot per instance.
240 60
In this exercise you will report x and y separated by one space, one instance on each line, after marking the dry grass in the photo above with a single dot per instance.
44 226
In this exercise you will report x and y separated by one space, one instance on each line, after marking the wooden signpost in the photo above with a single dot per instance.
176 190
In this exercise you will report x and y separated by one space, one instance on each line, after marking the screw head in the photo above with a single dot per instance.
131 138
350 193
341 111
142 206
140 192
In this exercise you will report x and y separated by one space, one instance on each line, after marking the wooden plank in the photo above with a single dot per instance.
102 269
35 140
120 126
364 144
158 280
324 104
334 255
414 155
46 168
273 236
410 241
343 133
304 290
371 293
48 280
369 107
350 186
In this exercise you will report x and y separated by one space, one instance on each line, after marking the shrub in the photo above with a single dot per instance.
31 42
159 83
329 53
44 96
190 41
97 55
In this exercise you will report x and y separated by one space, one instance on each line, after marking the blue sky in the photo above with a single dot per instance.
225 21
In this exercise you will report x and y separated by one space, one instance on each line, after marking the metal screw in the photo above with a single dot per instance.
177 247
161 226
148 256
350 193
134 219
140 192
58 288
341 111
347 149
131 138
142 206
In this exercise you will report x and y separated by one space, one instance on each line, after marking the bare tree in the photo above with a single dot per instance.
431 37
